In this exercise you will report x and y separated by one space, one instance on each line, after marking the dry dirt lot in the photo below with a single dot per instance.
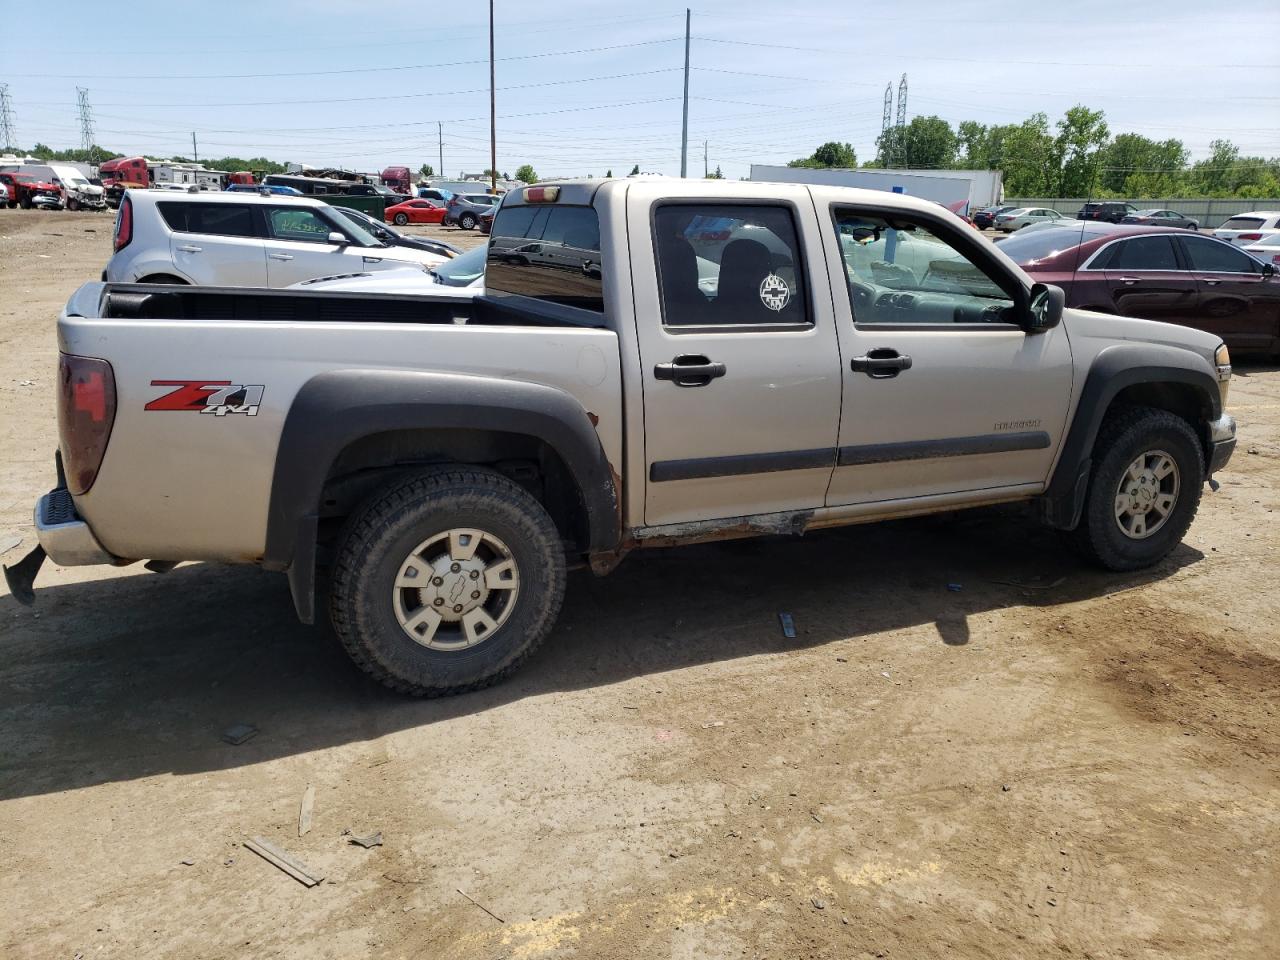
1051 761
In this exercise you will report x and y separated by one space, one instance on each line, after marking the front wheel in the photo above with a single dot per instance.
1145 489
447 581
401 219
468 221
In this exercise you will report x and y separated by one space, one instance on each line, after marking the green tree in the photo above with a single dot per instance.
1025 154
635 171
1077 150
926 142
608 174
717 175
1155 167
525 172
426 170
830 154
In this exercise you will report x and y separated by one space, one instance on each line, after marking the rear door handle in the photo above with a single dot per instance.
1211 282
280 256
1129 281
189 248
881 363
689 370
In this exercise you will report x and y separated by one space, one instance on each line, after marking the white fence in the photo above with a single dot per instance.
1208 213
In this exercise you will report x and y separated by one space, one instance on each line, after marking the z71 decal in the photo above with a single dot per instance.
216 397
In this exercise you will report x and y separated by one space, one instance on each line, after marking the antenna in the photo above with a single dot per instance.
7 136
887 122
86 121
903 159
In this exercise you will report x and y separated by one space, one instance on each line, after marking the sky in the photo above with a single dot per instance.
583 90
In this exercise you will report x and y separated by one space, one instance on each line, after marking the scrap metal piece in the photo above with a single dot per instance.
239 733
788 625
372 840
306 809
290 864
21 576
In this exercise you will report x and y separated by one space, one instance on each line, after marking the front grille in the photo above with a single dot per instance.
59 508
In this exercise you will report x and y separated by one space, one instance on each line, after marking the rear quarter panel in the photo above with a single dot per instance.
182 485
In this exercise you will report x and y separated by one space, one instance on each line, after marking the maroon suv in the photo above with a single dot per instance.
1159 273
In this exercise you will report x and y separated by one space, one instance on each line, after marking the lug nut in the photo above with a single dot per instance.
455 567
475 594
457 608
437 581
475 574
439 601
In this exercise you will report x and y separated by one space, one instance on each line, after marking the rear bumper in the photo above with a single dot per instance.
1222 442
66 538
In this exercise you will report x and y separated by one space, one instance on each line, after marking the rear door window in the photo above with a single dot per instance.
218 219
1210 256
1243 223
548 252
1142 253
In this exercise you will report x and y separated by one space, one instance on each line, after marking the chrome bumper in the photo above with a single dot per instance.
65 537
1222 442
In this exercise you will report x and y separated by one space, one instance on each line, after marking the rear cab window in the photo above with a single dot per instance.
217 219
548 251
1243 223
729 265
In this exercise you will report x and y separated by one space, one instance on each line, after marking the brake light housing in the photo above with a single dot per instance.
86 413
541 194
124 223
1249 236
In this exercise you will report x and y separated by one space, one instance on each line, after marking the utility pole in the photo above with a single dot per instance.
684 130
493 114
706 170
8 138
195 152
440 142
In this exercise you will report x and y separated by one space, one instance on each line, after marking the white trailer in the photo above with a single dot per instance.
959 190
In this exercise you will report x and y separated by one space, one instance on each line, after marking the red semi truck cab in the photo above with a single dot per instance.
397 178
128 171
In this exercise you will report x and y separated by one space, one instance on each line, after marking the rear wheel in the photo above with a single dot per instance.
1145 489
73 204
401 219
467 221
447 581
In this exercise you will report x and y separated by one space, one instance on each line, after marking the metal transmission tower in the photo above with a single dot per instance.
7 136
86 121
903 159
886 122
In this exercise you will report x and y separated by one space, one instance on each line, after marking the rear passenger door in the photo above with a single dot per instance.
1145 278
739 358
1235 300
215 244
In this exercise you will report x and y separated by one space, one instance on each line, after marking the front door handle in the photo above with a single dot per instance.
689 370
881 363
189 248
1209 282
280 256
1129 281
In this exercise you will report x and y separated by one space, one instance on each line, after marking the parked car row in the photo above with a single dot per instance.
49 186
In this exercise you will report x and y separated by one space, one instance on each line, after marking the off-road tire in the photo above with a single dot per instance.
401 219
387 528
468 221
1125 435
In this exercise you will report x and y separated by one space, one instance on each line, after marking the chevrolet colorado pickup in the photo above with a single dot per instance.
651 362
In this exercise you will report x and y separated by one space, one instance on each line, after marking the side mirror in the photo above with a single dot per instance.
1045 310
339 238
1268 269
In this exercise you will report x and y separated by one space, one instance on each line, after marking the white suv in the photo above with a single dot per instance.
234 240
1246 229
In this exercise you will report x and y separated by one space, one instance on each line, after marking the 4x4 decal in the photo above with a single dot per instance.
216 397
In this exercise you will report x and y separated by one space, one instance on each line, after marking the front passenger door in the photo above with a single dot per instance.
298 247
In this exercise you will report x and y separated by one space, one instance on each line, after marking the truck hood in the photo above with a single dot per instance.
407 255
1110 328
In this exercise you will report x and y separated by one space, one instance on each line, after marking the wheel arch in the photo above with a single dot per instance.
347 430
1154 375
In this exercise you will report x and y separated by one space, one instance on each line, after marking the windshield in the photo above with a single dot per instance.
1025 248
462 270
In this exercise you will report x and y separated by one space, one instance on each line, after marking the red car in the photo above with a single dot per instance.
414 211
1158 273
24 190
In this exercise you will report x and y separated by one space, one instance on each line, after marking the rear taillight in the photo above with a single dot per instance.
124 223
86 411
1248 236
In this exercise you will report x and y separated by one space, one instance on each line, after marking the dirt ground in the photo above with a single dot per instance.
1049 761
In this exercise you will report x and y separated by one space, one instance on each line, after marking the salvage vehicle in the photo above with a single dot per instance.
414 211
29 191
225 238
392 236
425 471
1159 273
1247 229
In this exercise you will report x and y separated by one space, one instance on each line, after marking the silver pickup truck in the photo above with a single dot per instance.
651 363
